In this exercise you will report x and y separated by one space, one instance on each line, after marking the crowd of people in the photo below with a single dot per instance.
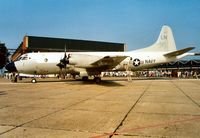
155 73
185 74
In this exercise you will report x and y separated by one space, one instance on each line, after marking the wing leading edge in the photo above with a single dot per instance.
108 62
104 64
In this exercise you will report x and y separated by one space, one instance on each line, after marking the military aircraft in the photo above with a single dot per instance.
93 63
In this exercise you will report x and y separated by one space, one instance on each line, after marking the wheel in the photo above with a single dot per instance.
85 78
97 80
33 80
74 76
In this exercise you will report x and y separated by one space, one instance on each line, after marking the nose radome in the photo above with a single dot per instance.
11 67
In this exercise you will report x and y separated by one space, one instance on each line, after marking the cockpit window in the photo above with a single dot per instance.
23 58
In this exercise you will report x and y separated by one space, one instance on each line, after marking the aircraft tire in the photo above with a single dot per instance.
85 78
34 80
97 80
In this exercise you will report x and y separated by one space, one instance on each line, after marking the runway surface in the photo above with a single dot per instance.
115 108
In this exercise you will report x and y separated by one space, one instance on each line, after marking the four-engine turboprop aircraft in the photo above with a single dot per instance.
93 63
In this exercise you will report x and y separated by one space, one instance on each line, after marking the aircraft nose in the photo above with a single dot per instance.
11 67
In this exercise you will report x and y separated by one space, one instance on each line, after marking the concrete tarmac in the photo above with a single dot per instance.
115 108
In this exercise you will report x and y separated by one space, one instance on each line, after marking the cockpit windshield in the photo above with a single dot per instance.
23 57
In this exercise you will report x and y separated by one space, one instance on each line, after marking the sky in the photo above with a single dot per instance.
134 22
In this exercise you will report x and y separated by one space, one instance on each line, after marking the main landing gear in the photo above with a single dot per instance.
97 79
85 78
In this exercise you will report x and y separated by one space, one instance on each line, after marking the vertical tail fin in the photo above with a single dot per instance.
164 43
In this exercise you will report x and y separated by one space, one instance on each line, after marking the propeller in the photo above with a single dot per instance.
63 62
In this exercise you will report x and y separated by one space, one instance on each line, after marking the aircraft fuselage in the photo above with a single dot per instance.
46 63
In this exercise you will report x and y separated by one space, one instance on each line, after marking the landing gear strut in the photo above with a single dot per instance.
14 79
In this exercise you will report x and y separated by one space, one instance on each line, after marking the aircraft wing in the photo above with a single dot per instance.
178 52
108 62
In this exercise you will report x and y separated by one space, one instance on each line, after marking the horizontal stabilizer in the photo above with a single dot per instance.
196 54
178 52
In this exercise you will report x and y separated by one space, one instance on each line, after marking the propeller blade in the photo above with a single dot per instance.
63 62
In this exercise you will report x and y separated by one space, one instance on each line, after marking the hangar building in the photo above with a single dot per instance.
48 44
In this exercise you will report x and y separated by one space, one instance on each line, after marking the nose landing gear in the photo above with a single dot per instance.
33 80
